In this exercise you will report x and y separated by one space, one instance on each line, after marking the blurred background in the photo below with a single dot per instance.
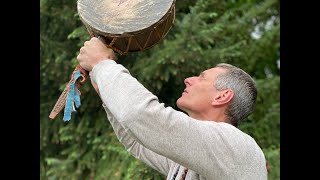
245 33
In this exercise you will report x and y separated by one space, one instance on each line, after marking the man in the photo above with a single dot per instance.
205 144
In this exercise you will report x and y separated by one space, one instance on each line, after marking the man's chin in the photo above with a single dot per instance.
180 103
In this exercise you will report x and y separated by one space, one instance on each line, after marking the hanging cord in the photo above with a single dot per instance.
73 96
70 95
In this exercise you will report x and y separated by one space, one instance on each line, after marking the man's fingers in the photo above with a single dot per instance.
94 39
86 43
81 50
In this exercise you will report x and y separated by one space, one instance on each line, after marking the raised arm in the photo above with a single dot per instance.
154 160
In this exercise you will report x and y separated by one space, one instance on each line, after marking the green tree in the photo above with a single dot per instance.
245 33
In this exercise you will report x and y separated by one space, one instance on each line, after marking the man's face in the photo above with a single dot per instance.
198 95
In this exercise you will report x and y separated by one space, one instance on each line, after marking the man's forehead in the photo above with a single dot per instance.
215 70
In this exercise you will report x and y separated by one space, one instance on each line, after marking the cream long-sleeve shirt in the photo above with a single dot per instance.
169 140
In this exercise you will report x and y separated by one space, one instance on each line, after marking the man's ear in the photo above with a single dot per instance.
224 97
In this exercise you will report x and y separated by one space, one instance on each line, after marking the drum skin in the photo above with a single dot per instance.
127 25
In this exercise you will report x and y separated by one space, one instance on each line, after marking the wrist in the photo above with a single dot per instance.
99 65
93 64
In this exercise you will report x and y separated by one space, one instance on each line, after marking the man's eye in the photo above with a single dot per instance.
201 75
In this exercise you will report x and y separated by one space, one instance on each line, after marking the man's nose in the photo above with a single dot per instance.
189 81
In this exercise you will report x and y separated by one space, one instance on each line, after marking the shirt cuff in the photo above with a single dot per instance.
102 64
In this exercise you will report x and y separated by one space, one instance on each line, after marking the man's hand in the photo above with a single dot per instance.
93 52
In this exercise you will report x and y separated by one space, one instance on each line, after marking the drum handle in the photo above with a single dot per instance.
102 39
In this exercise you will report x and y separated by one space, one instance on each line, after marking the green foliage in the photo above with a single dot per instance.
272 155
205 32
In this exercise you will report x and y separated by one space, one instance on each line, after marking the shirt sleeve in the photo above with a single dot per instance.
154 160
212 149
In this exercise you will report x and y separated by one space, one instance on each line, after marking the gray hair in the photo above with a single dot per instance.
244 88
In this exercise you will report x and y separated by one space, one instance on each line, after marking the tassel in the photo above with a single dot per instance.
73 97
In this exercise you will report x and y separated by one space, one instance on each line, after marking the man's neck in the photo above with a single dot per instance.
212 116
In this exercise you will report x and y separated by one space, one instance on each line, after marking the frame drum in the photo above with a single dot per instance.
127 25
